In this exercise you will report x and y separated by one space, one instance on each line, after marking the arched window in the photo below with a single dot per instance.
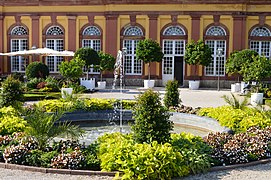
174 31
173 39
18 42
133 31
131 36
55 41
216 31
260 39
216 38
92 37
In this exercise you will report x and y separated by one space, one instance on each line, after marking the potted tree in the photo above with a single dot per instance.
149 51
92 59
257 70
70 70
197 53
235 63
107 62
90 56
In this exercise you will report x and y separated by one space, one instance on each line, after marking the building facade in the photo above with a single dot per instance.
110 25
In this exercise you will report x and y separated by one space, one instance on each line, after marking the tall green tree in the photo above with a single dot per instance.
149 51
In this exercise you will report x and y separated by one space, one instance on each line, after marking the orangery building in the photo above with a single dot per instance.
110 25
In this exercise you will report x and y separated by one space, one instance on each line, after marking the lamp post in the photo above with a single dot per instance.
219 52
124 52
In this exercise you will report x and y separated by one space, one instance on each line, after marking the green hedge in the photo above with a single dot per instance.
236 119
85 104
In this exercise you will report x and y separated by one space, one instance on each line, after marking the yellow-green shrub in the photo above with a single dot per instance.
237 119
10 121
54 105
140 161
98 104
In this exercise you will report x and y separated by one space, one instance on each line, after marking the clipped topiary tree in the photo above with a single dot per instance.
71 70
151 119
172 96
149 51
198 53
107 62
238 60
89 55
12 93
37 70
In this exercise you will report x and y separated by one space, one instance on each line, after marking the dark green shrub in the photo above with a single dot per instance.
195 152
52 83
151 119
172 96
89 55
19 76
46 158
91 158
37 70
33 83
12 93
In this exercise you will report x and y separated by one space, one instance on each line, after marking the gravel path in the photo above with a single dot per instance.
9 174
258 172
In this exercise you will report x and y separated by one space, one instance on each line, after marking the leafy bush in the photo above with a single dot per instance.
237 119
151 119
33 83
52 83
140 161
195 152
55 104
43 127
12 93
172 96
37 70
71 70
90 153
11 121
240 148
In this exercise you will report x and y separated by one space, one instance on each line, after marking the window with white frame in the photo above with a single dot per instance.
172 47
217 66
18 42
258 43
132 66
57 44
91 37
